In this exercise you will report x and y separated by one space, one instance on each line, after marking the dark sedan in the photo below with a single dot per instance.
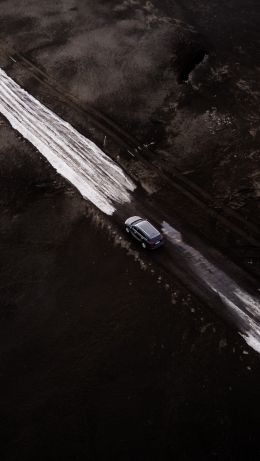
143 231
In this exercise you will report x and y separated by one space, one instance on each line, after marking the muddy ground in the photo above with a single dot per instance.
100 357
183 80
182 77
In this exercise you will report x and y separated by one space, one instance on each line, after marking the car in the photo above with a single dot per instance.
143 231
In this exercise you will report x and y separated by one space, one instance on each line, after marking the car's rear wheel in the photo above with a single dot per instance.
127 229
143 244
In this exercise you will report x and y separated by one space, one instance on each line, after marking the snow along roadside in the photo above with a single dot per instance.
75 157
245 307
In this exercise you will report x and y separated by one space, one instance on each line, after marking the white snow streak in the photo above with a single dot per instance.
245 307
75 157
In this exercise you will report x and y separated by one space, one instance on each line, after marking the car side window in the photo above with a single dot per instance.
141 233
136 233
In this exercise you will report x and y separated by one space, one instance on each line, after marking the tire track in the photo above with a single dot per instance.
102 181
75 157
231 219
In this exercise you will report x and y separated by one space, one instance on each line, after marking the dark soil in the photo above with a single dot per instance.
100 358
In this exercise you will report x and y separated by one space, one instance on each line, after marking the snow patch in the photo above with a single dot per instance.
245 306
75 157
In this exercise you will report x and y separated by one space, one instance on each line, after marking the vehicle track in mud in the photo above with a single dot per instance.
246 234
100 180
211 278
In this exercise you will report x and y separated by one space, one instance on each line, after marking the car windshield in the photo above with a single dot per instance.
148 229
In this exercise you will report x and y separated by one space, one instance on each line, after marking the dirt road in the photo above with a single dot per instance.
108 352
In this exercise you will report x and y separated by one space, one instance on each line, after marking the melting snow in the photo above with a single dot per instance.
242 304
75 157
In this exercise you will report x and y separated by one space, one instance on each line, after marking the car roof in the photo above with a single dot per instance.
147 228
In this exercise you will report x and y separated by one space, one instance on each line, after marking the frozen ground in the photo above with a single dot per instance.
76 158
102 357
